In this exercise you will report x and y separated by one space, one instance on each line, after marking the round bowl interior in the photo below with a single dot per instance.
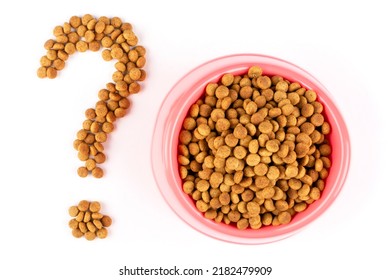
165 142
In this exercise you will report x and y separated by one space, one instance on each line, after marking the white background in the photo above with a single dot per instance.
342 43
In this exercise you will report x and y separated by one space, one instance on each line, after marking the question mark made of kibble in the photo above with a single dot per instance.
89 33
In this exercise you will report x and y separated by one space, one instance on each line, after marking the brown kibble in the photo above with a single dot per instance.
317 119
106 55
265 126
83 227
81 46
41 72
117 53
227 80
301 149
51 72
83 148
254 72
102 233
223 152
325 150
253 159
97 172
284 217
253 207
261 182
83 205
100 26
73 211
273 173
82 171
204 129
80 216
281 205
266 219
287 109
87 216
282 86
91 227
49 44
310 95
89 235
224 198
77 233
299 207
90 164
272 145
239 152
101 110
202 206
46 62
94 206
135 74
242 224
253 151
101 137
98 224
240 132
96 216
75 21
222 124
264 82
106 221
73 224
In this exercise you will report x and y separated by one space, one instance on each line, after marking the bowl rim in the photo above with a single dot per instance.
206 226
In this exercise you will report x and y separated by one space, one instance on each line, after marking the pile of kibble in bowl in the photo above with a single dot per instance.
253 150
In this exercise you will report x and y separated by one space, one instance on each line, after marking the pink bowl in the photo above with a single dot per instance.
169 122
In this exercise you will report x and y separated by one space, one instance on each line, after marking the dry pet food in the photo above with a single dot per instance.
253 150
120 43
88 221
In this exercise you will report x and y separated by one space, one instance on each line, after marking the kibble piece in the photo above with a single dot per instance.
41 72
317 119
325 150
102 233
273 173
254 72
253 159
94 206
265 126
90 235
272 145
97 172
204 129
82 171
73 224
77 233
264 82
202 206
106 221
83 205
83 227
91 227
80 216
240 132
81 46
284 217
226 80
51 72
87 216
310 95
73 211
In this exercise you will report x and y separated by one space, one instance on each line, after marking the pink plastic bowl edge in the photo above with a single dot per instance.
165 140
